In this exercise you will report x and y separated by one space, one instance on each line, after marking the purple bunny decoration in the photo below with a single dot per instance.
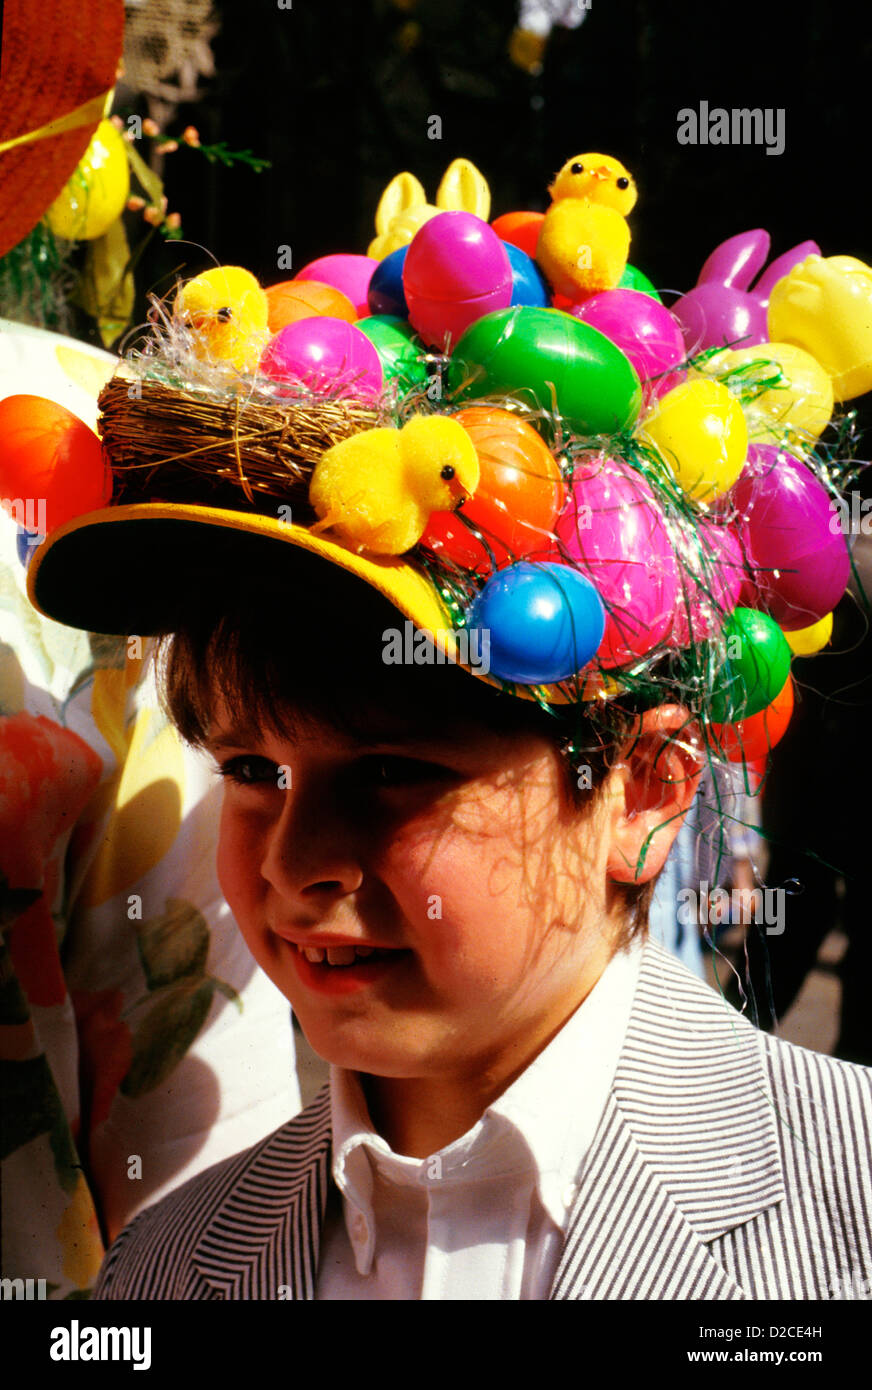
723 309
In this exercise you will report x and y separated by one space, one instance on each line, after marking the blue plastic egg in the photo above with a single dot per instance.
529 285
540 623
386 293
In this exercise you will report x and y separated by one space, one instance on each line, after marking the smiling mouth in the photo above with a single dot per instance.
344 956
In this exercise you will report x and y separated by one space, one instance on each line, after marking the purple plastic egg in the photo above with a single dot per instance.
789 526
327 355
345 271
643 329
456 270
613 530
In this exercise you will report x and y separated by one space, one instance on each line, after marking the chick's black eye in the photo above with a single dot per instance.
576 168
623 183
225 314
447 472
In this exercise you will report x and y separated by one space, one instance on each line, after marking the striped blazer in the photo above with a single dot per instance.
727 1165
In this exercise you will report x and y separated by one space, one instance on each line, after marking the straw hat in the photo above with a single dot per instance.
58 68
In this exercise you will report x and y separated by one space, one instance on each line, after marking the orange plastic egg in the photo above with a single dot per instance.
751 739
516 503
305 299
50 461
521 229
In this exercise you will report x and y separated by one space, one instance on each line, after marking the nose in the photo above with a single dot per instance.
311 856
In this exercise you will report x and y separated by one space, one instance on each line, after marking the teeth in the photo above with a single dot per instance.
314 954
340 955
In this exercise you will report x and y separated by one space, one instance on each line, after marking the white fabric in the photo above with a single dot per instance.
484 1218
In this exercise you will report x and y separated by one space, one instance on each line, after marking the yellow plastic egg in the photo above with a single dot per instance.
805 641
825 306
794 413
700 430
95 195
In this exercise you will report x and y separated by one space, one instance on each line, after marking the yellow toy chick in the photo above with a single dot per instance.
226 311
378 488
584 241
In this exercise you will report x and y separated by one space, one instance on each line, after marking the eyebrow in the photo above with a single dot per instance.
238 735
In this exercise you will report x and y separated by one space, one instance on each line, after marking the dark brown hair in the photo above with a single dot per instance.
299 639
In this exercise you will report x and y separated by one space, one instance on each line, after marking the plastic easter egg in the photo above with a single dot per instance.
516 503
802 564
346 272
824 306
528 282
545 622
753 738
547 358
95 195
700 430
386 294
328 356
456 270
711 582
613 529
635 279
305 299
401 352
793 412
644 331
757 665
47 455
805 641
521 229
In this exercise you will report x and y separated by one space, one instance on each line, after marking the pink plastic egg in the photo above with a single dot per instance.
613 529
456 270
644 330
789 526
713 573
345 271
327 355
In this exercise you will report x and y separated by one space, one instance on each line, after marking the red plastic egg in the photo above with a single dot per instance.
51 463
751 739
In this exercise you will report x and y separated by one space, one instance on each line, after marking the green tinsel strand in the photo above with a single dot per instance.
36 279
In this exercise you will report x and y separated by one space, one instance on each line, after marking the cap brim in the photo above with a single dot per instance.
129 569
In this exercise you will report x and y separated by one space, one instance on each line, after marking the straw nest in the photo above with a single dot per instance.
251 452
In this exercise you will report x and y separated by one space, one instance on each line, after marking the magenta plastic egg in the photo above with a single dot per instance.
643 329
345 271
456 270
789 526
713 573
613 529
329 356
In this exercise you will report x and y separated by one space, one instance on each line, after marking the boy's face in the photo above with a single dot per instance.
459 859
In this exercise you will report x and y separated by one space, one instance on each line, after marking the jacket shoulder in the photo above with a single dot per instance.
152 1257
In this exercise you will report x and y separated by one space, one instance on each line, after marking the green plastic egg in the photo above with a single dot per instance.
756 667
400 350
633 279
542 356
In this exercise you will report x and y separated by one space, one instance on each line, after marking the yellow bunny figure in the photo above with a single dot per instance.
403 207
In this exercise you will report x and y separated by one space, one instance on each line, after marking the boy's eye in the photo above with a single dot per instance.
249 771
389 770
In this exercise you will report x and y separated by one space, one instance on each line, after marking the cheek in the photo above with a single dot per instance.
240 849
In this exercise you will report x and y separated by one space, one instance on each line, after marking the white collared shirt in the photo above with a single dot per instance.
485 1217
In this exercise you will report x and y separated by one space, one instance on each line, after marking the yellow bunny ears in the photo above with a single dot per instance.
403 207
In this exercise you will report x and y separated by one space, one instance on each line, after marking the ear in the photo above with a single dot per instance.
464 189
403 192
653 785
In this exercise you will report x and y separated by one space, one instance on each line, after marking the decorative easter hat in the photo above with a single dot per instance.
58 70
530 450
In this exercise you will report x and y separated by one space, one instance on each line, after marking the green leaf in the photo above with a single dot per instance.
106 289
164 1036
173 945
228 991
152 185
32 1106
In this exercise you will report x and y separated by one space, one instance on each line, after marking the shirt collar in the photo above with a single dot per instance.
529 1128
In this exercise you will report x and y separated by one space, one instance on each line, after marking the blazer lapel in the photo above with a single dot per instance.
686 1150
264 1238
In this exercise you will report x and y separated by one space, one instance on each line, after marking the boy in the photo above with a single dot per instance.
526 1100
